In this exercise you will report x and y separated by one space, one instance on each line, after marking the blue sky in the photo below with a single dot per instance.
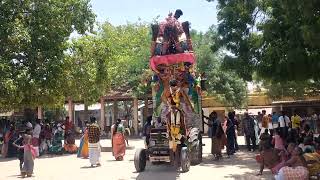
200 13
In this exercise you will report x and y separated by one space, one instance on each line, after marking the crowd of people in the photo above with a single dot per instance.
28 141
287 146
223 133
46 137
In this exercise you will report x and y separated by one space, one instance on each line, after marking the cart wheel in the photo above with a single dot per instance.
185 161
140 160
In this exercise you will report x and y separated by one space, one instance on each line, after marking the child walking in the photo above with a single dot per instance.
29 154
278 142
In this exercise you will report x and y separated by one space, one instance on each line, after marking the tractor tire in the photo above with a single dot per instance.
200 149
185 160
196 152
140 160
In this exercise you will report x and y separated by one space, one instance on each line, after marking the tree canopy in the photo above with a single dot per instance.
41 66
224 84
277 40
124 51
114 58
33 36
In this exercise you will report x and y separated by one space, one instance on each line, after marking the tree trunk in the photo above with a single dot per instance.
86 113
135 116
145 110
115 111
57 115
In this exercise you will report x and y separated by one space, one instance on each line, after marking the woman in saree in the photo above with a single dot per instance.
83 150
118 140
29 154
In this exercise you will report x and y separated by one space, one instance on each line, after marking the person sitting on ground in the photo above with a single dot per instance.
295 168
268 157
264 139
317 144
69 143
308 145
300 142
307 131
313 163
285 155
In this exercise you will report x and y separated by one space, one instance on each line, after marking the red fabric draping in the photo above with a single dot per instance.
171 59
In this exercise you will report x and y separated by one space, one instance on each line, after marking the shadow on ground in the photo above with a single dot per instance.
164 172
242 160
7 159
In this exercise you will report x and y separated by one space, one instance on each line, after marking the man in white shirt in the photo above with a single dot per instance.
36 135
284 122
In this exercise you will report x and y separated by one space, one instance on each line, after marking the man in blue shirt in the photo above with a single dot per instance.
275 122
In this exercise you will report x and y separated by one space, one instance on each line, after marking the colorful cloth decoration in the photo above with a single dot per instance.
171 59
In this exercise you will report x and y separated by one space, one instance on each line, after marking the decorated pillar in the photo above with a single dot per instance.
135 116
40 112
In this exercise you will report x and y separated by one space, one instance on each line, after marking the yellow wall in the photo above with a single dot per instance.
253 100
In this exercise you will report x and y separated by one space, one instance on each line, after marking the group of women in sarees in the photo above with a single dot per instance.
117 140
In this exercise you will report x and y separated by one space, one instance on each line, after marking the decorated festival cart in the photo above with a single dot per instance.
175 134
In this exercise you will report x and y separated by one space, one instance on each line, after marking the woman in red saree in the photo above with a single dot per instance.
118 140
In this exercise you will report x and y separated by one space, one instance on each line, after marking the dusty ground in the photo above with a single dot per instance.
240 166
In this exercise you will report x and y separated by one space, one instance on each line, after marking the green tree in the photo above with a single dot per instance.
226 85
33 36
277 40
130 62
86 69
115 58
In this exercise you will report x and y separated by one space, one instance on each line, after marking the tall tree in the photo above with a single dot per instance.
33 36
130 47
279 40
226 85
86 69
114 58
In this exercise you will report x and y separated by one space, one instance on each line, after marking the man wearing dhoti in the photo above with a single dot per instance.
94 133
